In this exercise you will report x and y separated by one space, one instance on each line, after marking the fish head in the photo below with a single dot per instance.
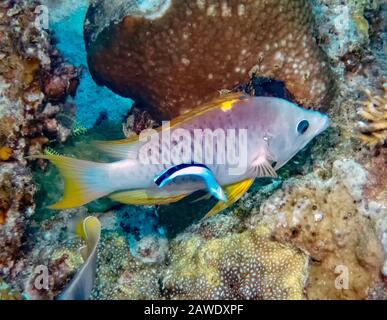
293 128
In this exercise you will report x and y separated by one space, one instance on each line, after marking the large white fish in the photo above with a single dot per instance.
268 133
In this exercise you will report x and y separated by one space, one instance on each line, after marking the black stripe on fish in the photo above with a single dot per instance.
175 169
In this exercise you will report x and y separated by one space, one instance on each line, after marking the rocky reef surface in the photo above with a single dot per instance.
33 84
319 231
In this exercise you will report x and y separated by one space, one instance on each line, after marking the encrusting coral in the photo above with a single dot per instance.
373 130
175 55
5 153
248 265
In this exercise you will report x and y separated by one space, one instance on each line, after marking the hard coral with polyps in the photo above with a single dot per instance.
120 276
247 265
173 55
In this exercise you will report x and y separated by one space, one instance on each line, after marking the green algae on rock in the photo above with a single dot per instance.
182 53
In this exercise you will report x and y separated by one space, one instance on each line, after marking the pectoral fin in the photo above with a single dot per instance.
144 198
234 192
262 168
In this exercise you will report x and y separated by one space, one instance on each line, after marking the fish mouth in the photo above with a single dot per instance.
326 123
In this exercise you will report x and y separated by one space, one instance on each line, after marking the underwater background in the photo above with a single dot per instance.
72 72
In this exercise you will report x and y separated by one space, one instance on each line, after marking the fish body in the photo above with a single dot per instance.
238 138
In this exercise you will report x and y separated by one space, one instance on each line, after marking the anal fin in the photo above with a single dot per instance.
234 192
144 198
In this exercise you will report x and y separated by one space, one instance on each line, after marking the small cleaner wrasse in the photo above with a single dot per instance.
239 138
193 170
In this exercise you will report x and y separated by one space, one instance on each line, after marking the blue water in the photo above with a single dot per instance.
91 100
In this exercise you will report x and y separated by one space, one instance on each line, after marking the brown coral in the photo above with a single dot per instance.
63 82
182 53
373 130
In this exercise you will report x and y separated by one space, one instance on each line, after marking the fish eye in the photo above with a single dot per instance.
303 126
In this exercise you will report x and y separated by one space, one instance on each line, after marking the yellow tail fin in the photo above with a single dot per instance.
84 181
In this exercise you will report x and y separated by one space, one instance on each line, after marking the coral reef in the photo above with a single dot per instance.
374 129
173 55
147 242
60 270
377 177
318 231
16 206
209 260
28 66
328 219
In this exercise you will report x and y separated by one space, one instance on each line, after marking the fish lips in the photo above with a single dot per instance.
326 123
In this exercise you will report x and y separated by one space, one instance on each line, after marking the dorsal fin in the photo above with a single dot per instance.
122 149
224 102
